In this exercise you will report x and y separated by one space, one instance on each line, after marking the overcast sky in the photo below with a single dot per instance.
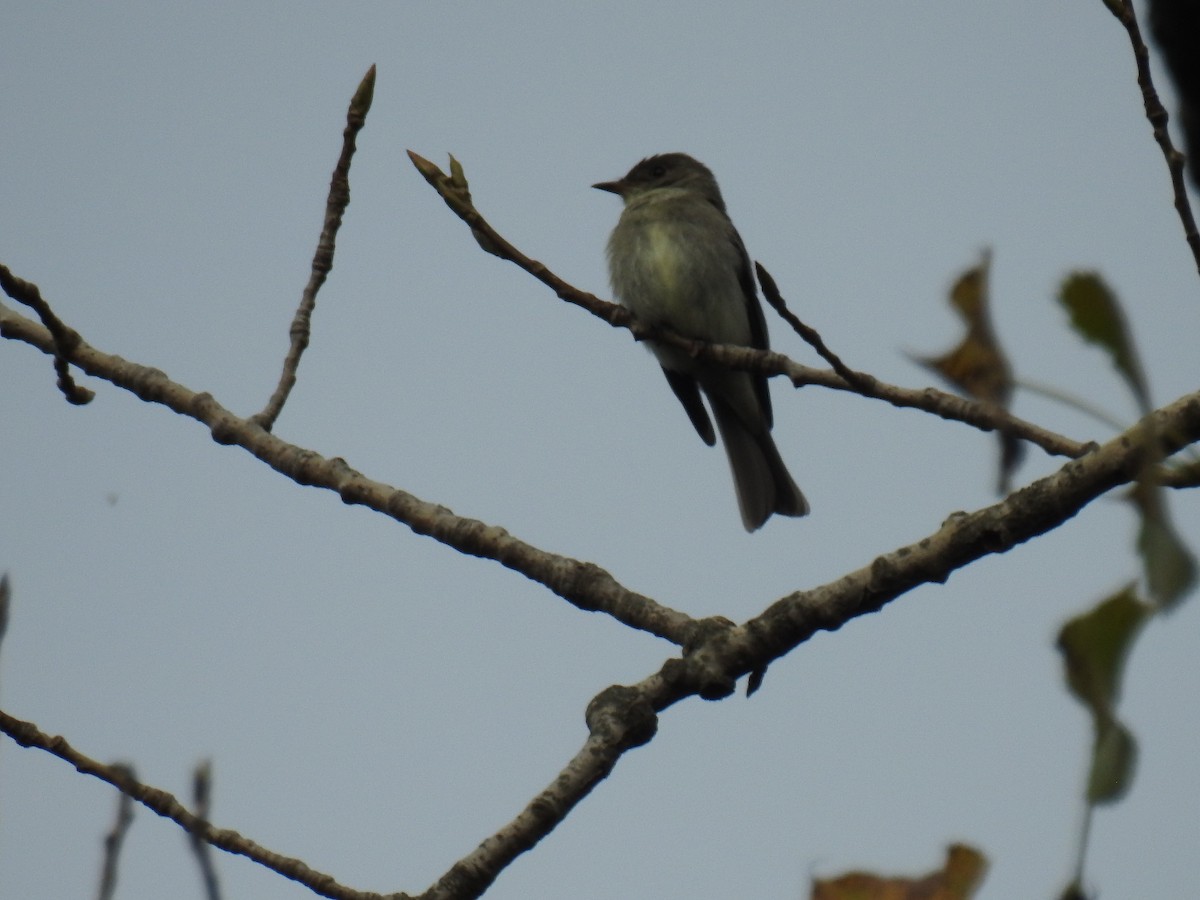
377 704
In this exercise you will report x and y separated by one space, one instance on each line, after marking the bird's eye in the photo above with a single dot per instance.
658 171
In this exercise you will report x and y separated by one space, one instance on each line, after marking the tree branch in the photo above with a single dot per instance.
716 652
621 718
202 799
1156 114
64 338
28 734
115 838
985 417
583 584
322 264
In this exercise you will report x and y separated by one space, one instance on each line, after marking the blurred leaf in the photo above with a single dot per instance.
5 599
958 880
1113 758
1096 316
977 366
1169 566
1012 451
1094 647
5 594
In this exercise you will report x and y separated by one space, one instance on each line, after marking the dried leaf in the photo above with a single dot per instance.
957 880
977 366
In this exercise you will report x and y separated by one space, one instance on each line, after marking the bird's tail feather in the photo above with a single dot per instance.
760 478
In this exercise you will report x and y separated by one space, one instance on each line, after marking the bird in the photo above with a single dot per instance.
675 260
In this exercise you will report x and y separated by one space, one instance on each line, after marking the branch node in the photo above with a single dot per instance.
621 717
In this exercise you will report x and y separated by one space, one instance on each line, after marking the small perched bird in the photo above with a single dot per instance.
675 260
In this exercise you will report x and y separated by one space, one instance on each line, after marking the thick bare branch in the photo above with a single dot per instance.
716 652
583 584
622 718
618 719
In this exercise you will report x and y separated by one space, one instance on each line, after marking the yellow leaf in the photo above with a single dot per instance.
957 880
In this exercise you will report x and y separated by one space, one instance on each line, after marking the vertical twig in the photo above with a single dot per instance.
116 836
5 599
322 264
202 799
1156 113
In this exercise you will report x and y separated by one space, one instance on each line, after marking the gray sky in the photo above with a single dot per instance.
375 703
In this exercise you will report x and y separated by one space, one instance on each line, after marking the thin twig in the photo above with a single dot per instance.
27 734
116 837
202 800
1072 401
1156 113
459 200
860 381
65 339
322 264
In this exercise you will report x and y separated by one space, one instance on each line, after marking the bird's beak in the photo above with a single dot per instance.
613 187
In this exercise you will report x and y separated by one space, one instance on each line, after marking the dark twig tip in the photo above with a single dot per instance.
360 104
425 167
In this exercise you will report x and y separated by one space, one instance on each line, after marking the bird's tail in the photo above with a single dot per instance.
760 478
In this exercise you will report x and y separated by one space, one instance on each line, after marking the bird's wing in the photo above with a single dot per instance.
758 322
688 392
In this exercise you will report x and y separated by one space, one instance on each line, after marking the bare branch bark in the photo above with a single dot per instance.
64 338
322 264
583 584
1156 115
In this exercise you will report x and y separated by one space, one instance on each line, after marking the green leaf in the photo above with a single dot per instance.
1113 758
1096 315
1094 647
1168 564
